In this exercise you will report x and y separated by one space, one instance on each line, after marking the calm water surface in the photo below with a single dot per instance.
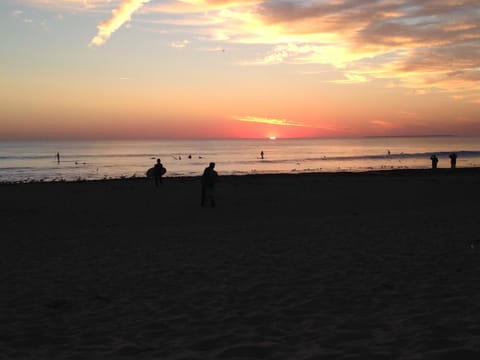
89 160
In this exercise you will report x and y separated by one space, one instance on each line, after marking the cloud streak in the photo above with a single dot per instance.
271 121
121 15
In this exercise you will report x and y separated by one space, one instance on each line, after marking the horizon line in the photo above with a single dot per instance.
229 138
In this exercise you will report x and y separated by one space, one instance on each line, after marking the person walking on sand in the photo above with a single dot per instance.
58 158
261 154
209 178
158 172
453 160
434 161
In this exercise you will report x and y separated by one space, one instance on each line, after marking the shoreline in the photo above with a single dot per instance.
387 172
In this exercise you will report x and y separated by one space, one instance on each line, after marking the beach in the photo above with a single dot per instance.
373 265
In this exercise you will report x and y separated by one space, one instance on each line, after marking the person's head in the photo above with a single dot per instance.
212 165
158 161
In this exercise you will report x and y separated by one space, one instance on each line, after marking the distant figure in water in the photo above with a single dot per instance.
209 178
388 152
434 161
261 154
190 156
158 172
453 160
58 158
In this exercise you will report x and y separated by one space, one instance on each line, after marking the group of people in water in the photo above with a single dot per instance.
208 181
453 160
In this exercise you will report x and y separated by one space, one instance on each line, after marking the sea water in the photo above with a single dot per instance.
22 161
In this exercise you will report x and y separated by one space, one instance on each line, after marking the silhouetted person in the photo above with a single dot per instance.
453 160
158 172
261 154
209 178
58 158
434 161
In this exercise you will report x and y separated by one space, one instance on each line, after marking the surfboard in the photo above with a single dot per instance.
151 172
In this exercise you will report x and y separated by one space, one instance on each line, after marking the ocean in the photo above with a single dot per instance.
25 161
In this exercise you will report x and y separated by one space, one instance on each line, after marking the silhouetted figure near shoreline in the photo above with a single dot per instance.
453 160
158 172
434 161
261 154
209 178
58 158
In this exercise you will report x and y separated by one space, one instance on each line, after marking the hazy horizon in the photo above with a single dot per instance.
63 139
229 69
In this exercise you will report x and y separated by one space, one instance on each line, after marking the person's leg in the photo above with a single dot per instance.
211 194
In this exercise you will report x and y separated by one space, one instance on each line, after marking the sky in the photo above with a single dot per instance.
93 69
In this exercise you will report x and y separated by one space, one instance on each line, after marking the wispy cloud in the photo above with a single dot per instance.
271 121
382 123
422 44
179 44
121 15
417 45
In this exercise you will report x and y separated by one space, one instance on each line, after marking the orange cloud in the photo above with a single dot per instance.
262 120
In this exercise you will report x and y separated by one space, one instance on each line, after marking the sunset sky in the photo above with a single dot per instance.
252 68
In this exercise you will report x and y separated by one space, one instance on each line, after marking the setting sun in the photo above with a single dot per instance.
272 137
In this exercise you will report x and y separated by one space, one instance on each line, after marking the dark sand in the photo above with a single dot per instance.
381 265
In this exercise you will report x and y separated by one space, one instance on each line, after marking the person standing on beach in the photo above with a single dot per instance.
58 158
453 160
261 154
209 178
158 172
434 161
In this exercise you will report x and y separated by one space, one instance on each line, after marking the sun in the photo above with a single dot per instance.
272 137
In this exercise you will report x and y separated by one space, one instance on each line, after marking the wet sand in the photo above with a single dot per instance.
381 265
